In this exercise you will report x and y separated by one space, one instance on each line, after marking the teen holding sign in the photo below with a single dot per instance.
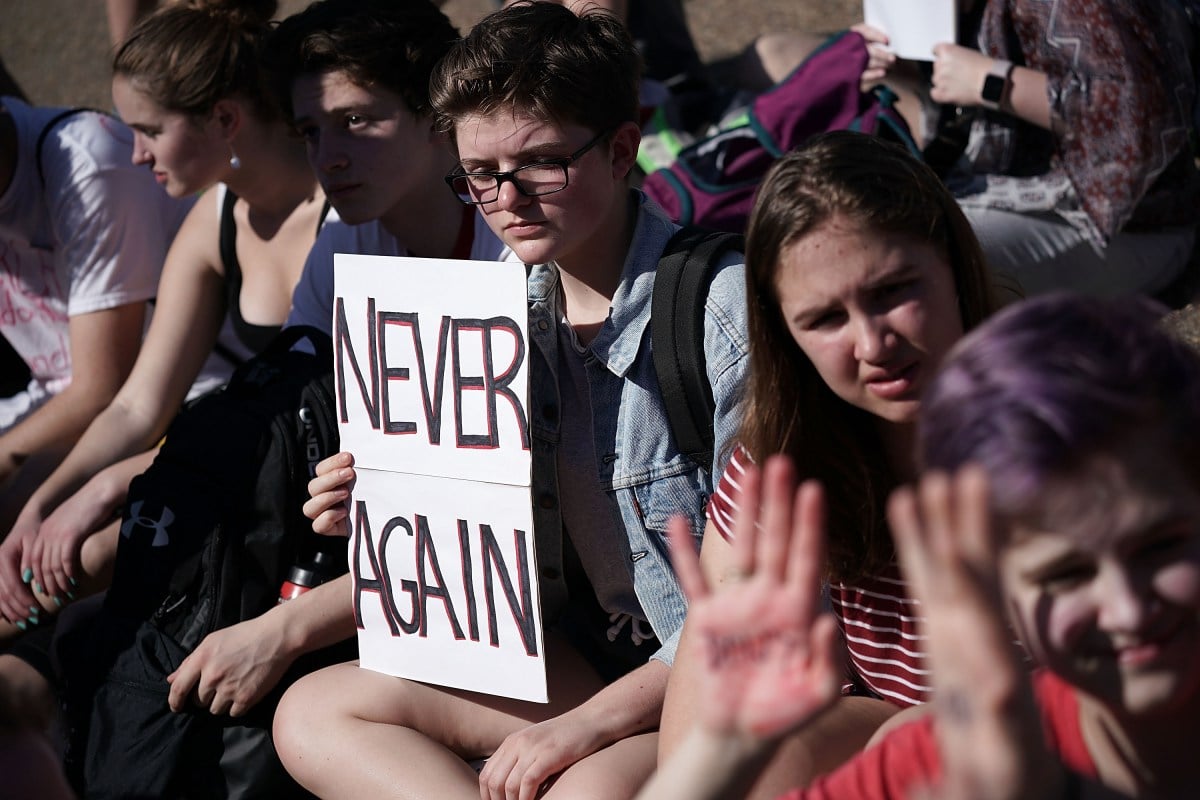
546 138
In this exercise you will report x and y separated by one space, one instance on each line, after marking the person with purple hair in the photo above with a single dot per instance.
1061 486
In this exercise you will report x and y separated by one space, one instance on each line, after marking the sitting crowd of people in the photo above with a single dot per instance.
930 555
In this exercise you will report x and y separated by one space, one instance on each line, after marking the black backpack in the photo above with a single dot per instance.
677 336
208 536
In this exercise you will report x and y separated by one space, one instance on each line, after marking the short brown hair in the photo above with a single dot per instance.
544 60
389 43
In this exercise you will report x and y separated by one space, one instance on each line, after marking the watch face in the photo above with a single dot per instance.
993 88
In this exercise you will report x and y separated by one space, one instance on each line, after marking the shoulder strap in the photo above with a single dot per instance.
677 336
41 140
227 242
227 238
325 207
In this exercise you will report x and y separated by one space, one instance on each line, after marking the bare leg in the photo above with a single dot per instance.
30 695
899 720
615 773
350 732
123 15
770 58
825 744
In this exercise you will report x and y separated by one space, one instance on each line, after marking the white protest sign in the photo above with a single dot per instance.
431 364
913 26
445 584
431 367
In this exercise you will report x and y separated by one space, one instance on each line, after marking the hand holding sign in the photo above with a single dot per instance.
913 27
329 495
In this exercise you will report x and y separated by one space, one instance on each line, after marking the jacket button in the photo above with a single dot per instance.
543 325
548 501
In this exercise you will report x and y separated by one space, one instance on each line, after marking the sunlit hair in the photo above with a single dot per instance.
789 408
393 44
1048 383
187 56
541 60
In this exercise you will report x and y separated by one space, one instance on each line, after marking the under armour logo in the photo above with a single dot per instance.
159 526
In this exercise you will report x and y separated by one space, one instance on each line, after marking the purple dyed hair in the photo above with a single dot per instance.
1049 382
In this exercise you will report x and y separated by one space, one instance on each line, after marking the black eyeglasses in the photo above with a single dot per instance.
531 180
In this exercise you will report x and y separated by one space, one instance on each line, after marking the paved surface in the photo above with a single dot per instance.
58 49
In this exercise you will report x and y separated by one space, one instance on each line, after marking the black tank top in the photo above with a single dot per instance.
255 337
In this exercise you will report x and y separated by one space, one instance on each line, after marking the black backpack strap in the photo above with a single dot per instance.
41 140
325 209
677 336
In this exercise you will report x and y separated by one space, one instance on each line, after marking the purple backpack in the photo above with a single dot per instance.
713 181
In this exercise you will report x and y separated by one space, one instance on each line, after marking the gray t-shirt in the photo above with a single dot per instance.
590 515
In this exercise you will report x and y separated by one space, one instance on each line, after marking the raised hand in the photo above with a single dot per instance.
769 653
328 506
880 56
988 728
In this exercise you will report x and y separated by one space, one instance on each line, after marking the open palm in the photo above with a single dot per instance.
768 654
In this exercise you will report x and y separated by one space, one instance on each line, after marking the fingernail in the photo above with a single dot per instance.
72 581
33 621
27 575
34 610
70 595
57 601
37 587
21 625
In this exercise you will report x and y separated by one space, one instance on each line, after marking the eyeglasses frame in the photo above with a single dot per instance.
510 175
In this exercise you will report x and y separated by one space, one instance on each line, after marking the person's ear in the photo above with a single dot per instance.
436 136
625 141
227 115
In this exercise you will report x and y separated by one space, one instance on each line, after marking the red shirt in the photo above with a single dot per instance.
908 759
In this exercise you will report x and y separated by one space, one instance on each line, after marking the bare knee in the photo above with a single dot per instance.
831 740
905 716
30 697
97 555
306 708
614 773
772 56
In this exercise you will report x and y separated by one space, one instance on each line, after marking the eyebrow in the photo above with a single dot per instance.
904 270
524 157
1064 560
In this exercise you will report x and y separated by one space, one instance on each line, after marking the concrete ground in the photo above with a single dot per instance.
57 50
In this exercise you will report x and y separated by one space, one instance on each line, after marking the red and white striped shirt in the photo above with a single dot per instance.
879 622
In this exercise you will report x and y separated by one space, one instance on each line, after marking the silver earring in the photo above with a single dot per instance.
234 161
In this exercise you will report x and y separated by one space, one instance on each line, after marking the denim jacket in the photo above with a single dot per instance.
638 460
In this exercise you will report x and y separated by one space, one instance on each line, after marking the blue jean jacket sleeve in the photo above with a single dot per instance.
638 461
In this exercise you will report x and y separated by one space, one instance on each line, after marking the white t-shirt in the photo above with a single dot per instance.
91 237
312 300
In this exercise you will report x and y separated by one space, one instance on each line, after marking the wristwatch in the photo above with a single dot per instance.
995 85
